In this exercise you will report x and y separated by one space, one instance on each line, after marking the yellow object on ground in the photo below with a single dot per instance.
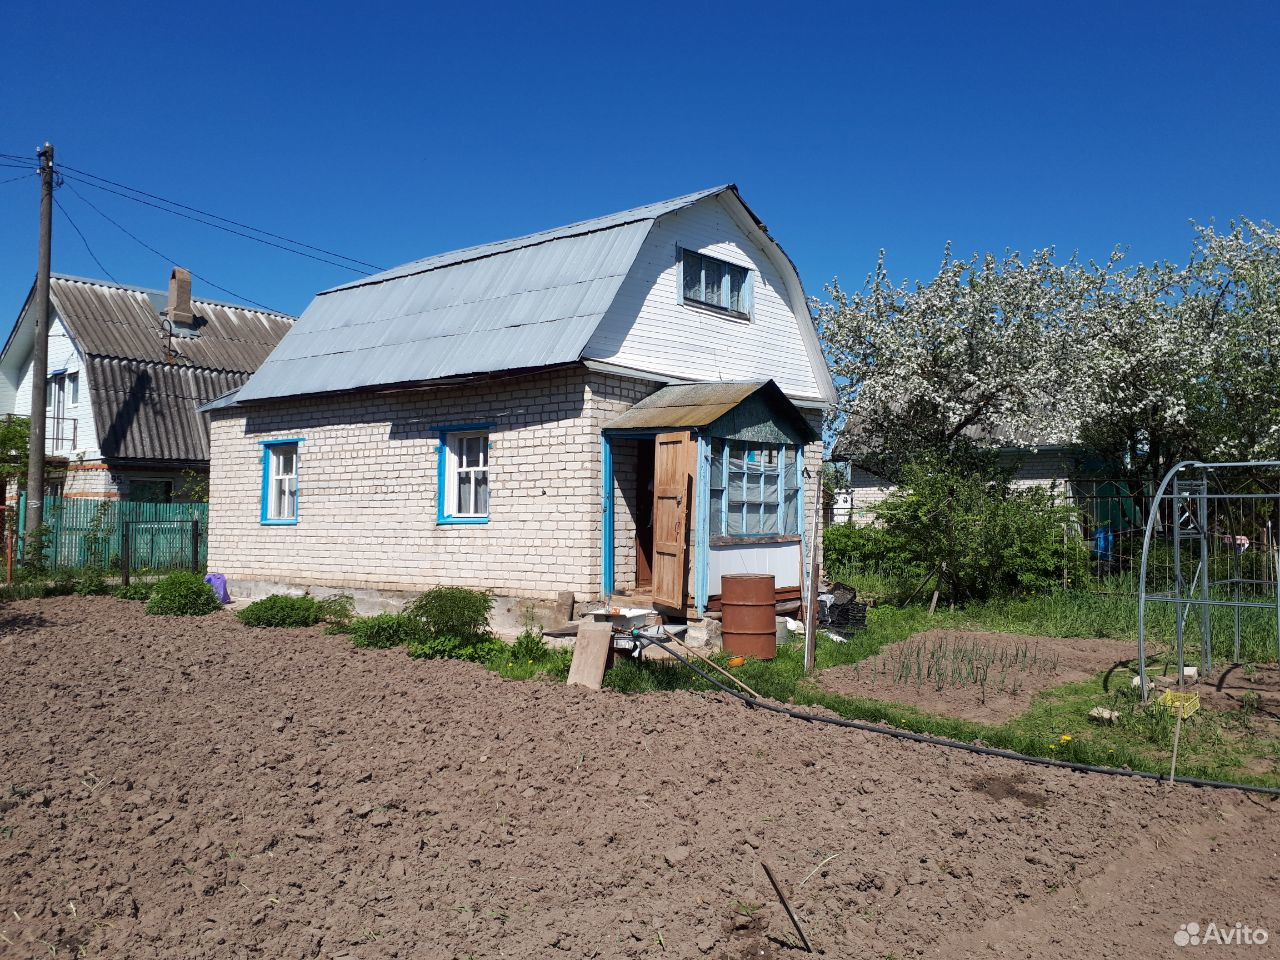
1183 704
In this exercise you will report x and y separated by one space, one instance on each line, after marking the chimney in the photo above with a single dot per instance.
182 319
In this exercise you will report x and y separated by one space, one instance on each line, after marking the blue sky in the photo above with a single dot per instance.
389 133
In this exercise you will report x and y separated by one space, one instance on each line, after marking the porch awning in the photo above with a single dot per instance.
752 409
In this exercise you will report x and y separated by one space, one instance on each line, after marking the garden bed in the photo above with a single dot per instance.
970 675
198 788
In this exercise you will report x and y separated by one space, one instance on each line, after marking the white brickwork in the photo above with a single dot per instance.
367 488
367 507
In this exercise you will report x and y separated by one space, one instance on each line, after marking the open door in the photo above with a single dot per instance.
675 456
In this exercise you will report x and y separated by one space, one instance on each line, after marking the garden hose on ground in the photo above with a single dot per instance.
958 745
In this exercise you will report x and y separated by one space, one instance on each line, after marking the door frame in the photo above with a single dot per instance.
700 518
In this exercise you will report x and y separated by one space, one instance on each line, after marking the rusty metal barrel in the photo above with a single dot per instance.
747 601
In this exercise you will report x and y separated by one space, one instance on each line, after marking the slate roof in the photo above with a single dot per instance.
145 386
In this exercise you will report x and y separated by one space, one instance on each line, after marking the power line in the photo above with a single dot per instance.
25 176
166 259
216 226
214 216
84 240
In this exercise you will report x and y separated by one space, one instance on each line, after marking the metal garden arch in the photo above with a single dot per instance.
1213 527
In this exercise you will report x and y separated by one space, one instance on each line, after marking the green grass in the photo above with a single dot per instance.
1217 746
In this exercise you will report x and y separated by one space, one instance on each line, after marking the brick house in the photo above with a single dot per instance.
128 369
631 404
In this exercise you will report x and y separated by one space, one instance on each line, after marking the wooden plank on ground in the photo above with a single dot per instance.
591 654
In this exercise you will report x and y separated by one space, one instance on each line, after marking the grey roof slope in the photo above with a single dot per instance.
517 304
145 397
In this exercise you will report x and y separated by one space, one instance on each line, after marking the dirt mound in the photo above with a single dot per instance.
198 789
985 677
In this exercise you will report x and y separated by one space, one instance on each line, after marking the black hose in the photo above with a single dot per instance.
958 745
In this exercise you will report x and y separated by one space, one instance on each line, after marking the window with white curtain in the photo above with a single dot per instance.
281 494
755 489
715 283
468 475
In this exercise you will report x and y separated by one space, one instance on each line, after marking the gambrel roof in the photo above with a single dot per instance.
530 302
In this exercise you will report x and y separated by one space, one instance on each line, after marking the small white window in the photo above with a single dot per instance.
281 495
714 283
468 475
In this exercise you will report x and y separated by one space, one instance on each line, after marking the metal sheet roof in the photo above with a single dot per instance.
687 406
529 302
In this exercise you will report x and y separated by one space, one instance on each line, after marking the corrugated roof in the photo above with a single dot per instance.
146 386
148 411
108 320
686 405
529 302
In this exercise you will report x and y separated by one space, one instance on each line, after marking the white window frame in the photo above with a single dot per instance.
454 443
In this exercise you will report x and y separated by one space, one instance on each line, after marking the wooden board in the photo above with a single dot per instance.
675 455
591 654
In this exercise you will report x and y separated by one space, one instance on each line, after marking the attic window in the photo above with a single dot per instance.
709 282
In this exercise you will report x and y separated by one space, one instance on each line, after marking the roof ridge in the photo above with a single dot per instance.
148 291
608 221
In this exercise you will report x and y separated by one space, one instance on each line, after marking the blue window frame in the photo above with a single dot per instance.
755 489
280 468
462 474
709 282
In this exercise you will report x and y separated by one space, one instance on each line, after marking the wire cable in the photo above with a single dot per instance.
84 240
167 259
958 745
238 233
204 213
24 176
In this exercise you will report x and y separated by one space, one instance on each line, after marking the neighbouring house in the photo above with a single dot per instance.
630 404
1034 463
128 369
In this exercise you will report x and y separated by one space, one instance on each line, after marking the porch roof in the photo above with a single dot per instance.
697 405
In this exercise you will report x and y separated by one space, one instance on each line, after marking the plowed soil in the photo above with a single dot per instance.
1050 662
197 789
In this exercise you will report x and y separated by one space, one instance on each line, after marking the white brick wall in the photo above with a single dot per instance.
367 488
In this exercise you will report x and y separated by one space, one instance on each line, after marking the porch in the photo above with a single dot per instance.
702 481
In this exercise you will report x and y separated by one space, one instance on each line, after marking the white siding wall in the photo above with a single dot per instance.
63 355
648 329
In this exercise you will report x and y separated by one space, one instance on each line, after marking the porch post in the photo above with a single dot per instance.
606 494
702 532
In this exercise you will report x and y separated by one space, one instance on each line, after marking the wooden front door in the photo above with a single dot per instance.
675 455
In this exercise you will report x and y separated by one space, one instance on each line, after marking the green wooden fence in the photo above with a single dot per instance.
85 532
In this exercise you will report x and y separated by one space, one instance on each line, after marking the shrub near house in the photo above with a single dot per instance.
978 534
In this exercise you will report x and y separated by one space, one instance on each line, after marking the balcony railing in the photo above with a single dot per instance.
59 435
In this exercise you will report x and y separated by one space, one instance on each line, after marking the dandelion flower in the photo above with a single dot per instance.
1066 738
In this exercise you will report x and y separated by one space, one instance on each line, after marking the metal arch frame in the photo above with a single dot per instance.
1205 602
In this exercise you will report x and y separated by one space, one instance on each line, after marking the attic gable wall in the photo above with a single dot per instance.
648 329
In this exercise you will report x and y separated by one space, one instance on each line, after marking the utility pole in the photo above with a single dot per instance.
40 354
